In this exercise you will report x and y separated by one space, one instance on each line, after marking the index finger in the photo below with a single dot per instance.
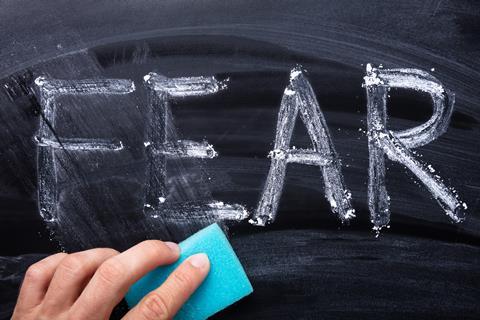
114 277
164 302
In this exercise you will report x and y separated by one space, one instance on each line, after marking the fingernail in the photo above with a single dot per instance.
199 260
173 246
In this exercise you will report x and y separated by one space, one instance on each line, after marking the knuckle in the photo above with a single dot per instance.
155 306
105 251
110 251
104 254
110 271
34 273
153 245
182 279
72 265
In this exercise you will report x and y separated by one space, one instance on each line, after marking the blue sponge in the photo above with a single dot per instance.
225 284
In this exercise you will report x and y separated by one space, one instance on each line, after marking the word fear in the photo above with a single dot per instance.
298 100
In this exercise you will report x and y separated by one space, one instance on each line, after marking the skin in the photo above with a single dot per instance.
89 284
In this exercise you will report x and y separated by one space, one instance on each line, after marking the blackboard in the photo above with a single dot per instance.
308 262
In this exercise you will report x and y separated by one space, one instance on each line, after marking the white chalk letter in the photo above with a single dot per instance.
299 97
159 148
397 144
47 141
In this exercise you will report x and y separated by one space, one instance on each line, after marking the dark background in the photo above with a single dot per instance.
306 264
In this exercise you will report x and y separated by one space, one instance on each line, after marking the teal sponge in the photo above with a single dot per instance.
225 284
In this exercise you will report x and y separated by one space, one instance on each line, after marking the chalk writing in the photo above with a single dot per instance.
397 144
299 97
159 148
216 210
48 142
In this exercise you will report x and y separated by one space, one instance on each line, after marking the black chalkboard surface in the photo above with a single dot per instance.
304 128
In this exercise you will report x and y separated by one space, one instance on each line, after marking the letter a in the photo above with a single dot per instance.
299 97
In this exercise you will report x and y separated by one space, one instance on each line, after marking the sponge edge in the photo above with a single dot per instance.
225 284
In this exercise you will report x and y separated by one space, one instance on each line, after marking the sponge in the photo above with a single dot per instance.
225 284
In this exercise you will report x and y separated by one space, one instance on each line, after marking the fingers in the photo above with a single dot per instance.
71 277
36 281
164 302
112 279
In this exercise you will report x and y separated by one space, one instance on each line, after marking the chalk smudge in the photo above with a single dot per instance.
397 144
299 97
187 149
48 90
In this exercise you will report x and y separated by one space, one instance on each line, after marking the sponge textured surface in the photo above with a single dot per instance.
225 284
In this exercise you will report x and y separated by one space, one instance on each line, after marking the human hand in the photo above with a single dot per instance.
89 284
